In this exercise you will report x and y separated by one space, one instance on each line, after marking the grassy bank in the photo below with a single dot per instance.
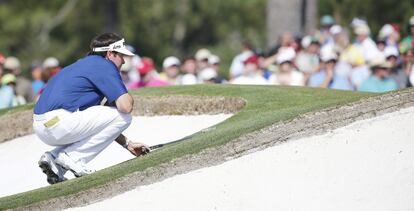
265 105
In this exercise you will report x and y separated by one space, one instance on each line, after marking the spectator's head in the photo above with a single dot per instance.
286 39
326 22
36 70
381 44
328 59
411 24
208 75
12 65
362 32
51 65
2 60
145 67
214 62
8 79
311 44
202 56
251 65
285 59
380 67
171 66
110 46
189 65
390 32
391 54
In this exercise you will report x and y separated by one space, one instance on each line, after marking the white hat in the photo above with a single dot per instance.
286 55
358 22
208 74
327 56
335 29
118 46
170 61
412 21
202 54
213 59
11 63
386 31
362 29
391 51
379 61
50 63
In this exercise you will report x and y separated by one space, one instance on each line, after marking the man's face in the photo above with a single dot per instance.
116 58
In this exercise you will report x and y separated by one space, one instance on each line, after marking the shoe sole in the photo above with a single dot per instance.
52 178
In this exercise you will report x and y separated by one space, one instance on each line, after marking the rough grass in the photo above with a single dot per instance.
266 105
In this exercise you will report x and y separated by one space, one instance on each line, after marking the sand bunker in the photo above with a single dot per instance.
367 165
18 157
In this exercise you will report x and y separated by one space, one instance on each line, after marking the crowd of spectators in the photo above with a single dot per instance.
336 57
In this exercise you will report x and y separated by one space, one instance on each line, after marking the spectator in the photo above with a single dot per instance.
23 87
286 74
397 74
407 61
201 57
364 43
327 76
307 60
7 97
37 83
359 71
380 80
208 76
214 62
171 71
189 68
237 66
2 60
251 73
148 75
326 22
406 43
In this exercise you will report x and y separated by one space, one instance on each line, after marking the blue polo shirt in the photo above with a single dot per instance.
81 85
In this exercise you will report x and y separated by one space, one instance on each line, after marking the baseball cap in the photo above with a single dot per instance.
170 61
362 29
286 55
379 61
327 20
411 21
327 56
390 51
213 59
145 66
8 78
252 60
208 74
202 54
50 63
11 63
118 46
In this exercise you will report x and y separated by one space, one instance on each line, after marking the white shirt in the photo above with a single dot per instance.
250 80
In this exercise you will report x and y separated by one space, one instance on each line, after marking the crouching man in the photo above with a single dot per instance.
69 116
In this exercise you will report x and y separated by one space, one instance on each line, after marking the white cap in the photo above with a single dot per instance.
50 63
170 61
358 22
335 29
327 56
412 21
207 74
213 59
118 46
391 51
11 63
202 54
285 55
386 31
306 41
362 29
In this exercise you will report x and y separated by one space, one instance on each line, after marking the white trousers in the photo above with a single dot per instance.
81 134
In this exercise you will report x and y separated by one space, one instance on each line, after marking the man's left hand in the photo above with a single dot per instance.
138 149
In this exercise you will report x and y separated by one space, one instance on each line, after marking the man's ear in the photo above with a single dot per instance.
108 53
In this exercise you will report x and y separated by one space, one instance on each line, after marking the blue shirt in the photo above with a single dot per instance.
36 86
81 85
338 82
6 96
373 84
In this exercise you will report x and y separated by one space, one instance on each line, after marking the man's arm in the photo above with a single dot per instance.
125 103
136 149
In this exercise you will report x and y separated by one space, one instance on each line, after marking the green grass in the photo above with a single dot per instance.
265 105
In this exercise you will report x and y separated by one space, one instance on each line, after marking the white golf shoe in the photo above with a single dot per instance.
54 172
77 168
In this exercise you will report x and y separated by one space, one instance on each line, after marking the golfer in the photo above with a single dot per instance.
69 114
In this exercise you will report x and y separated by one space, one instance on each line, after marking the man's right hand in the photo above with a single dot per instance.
138 149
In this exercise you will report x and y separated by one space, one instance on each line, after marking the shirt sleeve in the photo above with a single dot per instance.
109 82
